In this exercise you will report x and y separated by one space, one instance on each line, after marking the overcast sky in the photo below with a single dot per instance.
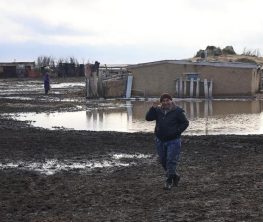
126 31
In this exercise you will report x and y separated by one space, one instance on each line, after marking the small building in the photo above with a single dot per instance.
16 69
224 79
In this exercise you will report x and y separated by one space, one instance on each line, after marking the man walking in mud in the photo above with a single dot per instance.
170 123
46 81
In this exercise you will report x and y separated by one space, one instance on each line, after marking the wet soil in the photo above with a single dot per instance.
221 176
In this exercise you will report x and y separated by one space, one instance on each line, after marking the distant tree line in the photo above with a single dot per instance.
44 61
62 67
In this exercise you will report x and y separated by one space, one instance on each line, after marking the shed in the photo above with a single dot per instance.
228 78
16 69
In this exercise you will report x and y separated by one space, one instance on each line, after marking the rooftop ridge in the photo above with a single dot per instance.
200 63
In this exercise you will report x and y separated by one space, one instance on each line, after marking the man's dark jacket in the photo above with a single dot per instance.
169 126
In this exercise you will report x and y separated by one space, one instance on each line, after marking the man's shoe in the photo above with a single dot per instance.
168 184
176 180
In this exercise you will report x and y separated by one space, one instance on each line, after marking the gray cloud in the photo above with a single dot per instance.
39 26
114 32
108 54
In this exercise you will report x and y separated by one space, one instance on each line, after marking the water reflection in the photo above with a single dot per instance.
103 120
206 117
223 116
204 108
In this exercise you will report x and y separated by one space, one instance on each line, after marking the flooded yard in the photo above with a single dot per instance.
72 111
66 107
211 117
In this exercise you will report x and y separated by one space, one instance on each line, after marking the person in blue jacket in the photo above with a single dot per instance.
171 122
46 82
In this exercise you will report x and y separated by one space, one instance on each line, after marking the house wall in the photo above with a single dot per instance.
9 71
228 80
15 69
154 79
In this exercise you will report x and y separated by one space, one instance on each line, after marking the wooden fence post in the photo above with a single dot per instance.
129 87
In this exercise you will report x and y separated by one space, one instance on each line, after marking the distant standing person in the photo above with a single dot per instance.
46 82
170 123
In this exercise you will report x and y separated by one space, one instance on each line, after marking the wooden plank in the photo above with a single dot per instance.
94 86
129 86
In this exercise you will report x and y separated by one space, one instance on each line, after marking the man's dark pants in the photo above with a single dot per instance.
169 154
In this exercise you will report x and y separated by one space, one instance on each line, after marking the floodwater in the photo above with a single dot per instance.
52 166
207 117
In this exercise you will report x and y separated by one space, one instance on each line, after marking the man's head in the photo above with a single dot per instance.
166 100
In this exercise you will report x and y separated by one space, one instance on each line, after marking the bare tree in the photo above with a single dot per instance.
43 61
250 52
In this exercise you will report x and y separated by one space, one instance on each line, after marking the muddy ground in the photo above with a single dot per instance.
222 176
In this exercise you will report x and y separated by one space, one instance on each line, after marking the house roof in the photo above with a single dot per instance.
16 63
201 63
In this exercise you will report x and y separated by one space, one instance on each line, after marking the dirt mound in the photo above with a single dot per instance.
227 54
231 58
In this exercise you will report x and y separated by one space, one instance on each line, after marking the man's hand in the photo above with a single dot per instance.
156 103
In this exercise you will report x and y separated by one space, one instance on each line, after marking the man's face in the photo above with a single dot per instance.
166 103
